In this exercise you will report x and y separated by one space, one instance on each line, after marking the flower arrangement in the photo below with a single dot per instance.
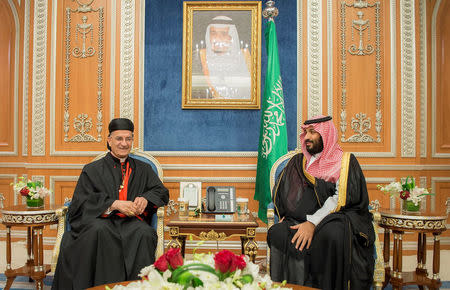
407 191
34 191
224 270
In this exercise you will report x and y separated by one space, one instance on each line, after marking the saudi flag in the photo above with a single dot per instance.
272 136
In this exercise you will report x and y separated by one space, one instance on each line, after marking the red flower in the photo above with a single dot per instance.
174 258
404 194
161 264
227 261
24 191
240 262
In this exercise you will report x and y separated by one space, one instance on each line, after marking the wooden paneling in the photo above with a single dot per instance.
442 84
64 189
82 96
7 74
361 54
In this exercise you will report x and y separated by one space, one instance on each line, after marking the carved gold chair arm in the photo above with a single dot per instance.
378 274
160 232
61 214
270 222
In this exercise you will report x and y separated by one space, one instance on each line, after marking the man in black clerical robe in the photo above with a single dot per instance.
325 237
110 238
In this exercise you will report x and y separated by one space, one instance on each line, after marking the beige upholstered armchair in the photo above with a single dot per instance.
277 168
157 220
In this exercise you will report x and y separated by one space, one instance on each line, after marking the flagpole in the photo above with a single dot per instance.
273 134
270 11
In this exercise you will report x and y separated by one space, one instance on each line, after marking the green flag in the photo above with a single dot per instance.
273 135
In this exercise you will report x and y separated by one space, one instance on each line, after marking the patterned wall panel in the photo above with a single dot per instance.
314 51
39 82
81 91
363 79
127 35
408 78
26 77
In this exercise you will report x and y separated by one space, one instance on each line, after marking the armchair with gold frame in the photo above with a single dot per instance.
277 168
157 221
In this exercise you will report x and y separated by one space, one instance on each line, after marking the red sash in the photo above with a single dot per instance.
124 188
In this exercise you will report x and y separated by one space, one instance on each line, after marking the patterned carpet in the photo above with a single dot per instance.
22 283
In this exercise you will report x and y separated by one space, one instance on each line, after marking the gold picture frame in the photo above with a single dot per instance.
221 55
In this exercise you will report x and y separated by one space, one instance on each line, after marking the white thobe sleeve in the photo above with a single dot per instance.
329 205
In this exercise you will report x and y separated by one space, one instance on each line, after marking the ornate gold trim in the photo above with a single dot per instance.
308 176
212 236
255 47
61 214
417 224
343 178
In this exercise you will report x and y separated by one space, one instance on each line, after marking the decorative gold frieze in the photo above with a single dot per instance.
212 236
29 219
413 223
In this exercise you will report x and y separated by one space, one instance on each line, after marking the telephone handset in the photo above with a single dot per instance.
220 199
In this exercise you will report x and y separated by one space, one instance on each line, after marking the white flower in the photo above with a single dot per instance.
42 192
392 188
152 279
250 268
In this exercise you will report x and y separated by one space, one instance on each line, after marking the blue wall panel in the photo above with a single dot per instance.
167 127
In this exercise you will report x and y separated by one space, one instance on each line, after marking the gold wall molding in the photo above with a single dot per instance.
408 78
39 81
226 167
127 34
84 31
299 68
423 77
25 77
314 52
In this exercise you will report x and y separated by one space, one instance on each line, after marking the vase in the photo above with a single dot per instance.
35 203
409 206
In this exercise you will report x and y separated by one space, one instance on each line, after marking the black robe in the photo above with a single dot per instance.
342 249
99 250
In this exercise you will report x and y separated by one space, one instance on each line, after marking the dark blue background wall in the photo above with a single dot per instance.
169 128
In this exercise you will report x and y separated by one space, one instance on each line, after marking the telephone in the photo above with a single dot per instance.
220 199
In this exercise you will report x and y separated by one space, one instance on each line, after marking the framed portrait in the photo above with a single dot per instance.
221 55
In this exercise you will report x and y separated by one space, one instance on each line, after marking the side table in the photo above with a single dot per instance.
207 228
34 220
422 222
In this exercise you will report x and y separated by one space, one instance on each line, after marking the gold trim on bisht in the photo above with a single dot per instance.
343 178
311 178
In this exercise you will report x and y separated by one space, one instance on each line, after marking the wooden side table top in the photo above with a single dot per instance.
210 220
427 220
22 215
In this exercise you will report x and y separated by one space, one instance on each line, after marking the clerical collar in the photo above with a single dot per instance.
118 160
